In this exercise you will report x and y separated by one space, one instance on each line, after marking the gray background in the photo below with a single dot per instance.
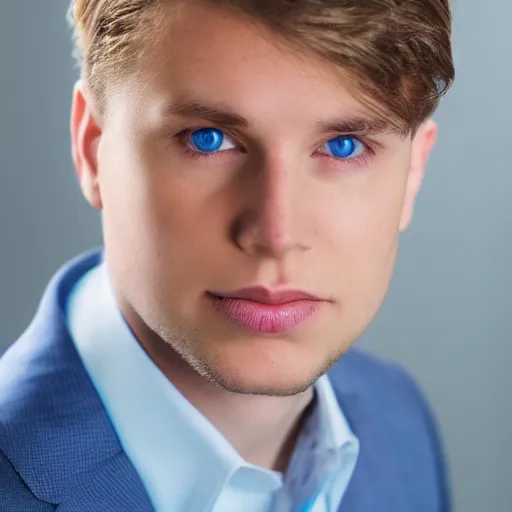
445 316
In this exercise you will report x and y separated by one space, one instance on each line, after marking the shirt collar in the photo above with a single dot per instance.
330 422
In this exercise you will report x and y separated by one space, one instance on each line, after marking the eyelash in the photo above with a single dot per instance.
360 160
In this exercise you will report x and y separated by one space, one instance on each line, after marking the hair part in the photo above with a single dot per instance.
397 52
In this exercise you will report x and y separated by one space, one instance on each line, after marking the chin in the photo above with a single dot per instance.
268 367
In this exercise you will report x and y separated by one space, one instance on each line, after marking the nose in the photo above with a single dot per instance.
270 223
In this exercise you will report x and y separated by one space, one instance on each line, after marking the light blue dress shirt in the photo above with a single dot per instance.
185 463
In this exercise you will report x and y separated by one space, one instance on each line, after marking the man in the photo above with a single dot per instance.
254 163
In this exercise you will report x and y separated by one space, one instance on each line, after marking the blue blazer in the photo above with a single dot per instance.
59 452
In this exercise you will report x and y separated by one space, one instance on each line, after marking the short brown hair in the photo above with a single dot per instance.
397 51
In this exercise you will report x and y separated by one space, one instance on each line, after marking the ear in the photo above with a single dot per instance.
422 145
85 138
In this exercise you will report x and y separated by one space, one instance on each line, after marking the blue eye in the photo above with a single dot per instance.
208 140
345 147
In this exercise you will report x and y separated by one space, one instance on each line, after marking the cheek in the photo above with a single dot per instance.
124 190
131 210
363 237
161 227
365 253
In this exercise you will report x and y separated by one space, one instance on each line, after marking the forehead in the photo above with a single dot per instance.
211 54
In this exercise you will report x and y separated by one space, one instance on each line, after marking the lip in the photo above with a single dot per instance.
261 310
266 296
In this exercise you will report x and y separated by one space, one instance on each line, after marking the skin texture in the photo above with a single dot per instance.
274 210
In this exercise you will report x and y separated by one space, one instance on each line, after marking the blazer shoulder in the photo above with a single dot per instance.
41 372
376 380
386 388
15 494
434 437
385 396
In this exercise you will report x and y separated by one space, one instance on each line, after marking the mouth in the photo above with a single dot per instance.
266 311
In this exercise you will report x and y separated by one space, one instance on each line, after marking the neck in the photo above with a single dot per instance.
262 429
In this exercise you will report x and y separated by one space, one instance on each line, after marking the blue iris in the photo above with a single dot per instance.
207 140
344 147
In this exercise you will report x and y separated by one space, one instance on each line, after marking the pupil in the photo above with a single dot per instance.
207 140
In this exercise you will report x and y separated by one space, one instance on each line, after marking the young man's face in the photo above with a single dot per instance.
283 201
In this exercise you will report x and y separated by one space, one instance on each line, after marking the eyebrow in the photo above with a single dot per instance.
356 126
224 116
217 115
